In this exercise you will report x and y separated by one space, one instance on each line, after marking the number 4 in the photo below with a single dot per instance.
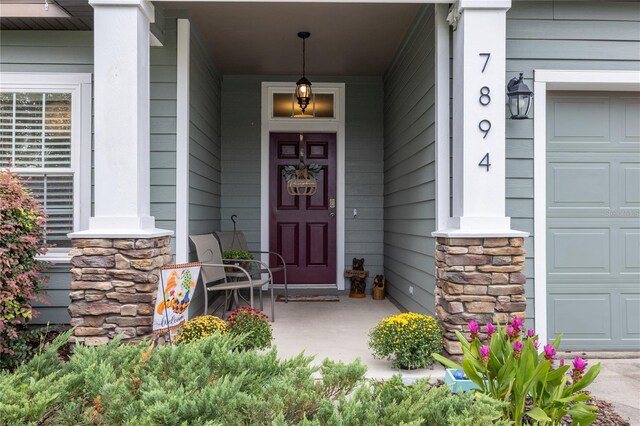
485 162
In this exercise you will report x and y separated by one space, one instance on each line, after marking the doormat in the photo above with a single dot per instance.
308 298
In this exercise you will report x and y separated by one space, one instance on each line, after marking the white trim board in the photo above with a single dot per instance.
329 125
183 47
443 120
545 80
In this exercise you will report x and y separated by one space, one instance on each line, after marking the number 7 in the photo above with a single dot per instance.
488 55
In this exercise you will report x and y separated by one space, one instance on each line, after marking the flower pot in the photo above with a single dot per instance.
243 265
378 293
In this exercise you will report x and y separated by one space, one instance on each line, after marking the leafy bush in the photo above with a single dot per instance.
23 347
200 327
253 325
210 383
393 403
408 338
510 368
22 231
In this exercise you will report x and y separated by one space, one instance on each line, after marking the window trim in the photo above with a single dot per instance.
79 86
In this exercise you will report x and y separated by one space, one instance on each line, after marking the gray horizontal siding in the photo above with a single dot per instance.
163 128
204 141
409 168
241 115
205 183
72 52
54 309
575 35
49 51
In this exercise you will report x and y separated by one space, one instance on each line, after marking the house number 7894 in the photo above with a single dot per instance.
485 99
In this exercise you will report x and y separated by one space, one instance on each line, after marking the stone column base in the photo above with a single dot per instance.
113 287
478 279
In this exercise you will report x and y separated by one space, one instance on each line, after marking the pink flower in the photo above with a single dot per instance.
511 332
531 332
490 329
484 353
562 362
517 348
517 323
549 352
579 363
536 344
474 328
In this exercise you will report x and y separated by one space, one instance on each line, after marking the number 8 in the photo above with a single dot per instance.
485 99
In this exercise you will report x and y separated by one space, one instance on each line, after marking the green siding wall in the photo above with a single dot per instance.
204 150
72 51
409 168
241 117
163 129
204 141
558 35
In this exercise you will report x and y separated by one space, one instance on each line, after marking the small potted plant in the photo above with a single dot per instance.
409 339
235 257
200 327
253 325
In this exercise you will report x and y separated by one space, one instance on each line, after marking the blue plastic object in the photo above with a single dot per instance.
458 385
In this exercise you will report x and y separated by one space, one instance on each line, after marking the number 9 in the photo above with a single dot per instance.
484 126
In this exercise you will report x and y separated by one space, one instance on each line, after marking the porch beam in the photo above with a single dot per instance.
121 116
479 94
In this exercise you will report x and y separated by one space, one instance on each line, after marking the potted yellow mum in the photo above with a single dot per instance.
409 339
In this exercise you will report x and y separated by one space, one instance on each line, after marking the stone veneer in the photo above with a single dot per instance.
113 287
478 279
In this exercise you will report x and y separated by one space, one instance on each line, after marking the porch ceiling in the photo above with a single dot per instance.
81 18
260 38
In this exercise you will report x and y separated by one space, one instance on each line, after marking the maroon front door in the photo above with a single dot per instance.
303 228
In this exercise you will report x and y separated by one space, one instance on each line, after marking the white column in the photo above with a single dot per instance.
121 121
479 101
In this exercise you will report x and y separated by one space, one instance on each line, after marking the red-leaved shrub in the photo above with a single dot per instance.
22 231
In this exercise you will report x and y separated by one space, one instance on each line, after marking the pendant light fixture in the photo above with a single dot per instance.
303 86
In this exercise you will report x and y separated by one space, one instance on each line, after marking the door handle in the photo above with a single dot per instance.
332 214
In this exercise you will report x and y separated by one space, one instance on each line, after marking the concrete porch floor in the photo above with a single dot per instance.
339 331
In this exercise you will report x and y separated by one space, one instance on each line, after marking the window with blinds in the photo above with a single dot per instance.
35 141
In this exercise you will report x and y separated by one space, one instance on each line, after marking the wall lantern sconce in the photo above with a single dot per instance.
519 98
303 86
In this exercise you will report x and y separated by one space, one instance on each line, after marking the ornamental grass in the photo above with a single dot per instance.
408 339
200 327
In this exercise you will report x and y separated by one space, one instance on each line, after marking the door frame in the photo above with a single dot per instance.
578 80
335 125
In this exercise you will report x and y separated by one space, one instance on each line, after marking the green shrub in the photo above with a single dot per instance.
253 325
510 369
23 347
208 382
408 338
200 327
22 232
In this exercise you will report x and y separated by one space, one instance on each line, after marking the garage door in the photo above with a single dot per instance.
593 219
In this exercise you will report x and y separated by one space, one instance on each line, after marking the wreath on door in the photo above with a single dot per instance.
302 179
